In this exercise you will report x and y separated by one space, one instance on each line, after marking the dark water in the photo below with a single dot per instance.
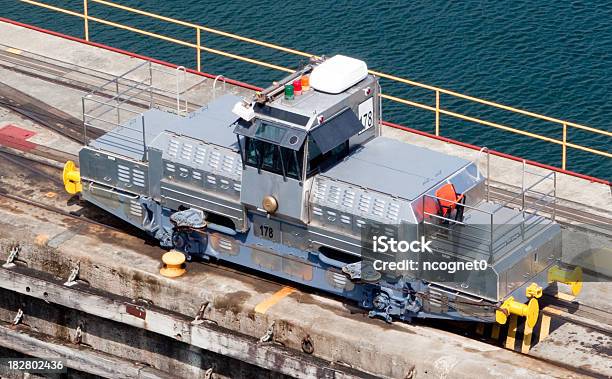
553 58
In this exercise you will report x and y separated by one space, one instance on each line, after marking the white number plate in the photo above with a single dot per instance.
366 113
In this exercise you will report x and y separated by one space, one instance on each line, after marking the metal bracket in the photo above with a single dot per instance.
18 317
269 333
74 273
11 258
78 337
199 319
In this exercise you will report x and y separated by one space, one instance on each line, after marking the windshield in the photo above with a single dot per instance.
273 158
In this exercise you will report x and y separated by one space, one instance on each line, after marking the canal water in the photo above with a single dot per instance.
553 58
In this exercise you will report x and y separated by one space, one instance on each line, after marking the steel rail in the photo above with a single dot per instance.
51 208
26 62
578 313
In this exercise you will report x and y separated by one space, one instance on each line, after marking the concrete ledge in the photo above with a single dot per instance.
82 359
206 336
124 266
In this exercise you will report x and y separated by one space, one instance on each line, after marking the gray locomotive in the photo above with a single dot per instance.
291 183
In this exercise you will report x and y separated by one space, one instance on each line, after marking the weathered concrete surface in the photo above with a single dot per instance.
194 88
109 345
36 344
577 343
127 266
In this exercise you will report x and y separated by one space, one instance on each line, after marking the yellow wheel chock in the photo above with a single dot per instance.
173 264
510 306
571 278
72 178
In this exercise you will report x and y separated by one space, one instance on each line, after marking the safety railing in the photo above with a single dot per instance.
437 108
493 228
115 107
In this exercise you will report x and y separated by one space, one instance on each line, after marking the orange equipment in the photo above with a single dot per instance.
449 200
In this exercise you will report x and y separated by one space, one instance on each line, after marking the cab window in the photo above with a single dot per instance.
273 158
318 162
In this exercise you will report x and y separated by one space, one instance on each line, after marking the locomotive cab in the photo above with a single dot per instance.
287 140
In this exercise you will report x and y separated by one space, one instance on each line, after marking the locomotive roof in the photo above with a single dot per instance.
212 123
396 168
303 108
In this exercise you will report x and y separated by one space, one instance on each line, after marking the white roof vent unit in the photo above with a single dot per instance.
337 74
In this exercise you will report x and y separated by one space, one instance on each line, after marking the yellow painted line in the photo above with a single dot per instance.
495 331
41 239
511 332
12 50
526 345
544 327
565 296
278 296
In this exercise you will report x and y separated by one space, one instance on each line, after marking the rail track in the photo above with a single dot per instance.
43 114
77 77
582 220
578 313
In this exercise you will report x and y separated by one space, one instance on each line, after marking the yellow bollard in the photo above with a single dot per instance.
72 178
571 278
173 264
530 311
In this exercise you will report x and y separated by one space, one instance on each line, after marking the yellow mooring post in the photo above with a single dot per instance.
173 264
72 178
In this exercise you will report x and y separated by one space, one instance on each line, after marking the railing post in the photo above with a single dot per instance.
144 138
491 242
215 85
117 101
554 211
198 49
488 174
523 202
86 19
178 92
85 142
437 113
151 102
523 190
564 153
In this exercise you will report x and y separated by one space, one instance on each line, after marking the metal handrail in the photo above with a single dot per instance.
217 78
521 229
523 191
178 92
437 109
